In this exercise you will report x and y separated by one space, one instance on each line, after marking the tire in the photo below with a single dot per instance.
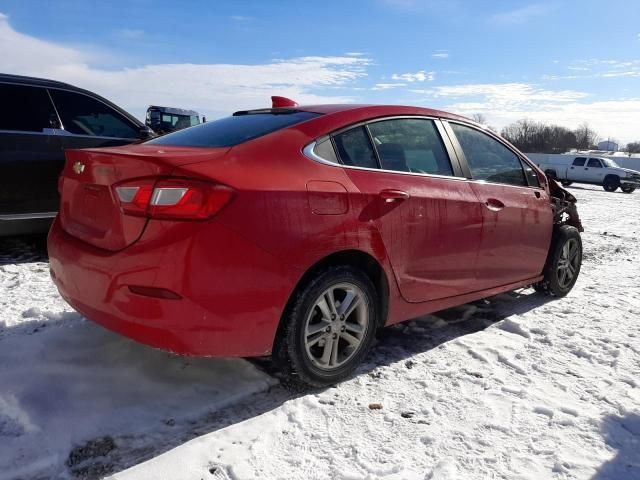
628 188
316 345
563 262
566 183
611 183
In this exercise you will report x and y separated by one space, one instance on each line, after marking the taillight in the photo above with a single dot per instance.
172 198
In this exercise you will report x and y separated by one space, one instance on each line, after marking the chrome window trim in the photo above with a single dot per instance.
27 216
63 133
311 155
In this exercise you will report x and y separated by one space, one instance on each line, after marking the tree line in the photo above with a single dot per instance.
536 137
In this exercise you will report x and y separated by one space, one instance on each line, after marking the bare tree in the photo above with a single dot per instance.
633 147
533 137
479 118
586 137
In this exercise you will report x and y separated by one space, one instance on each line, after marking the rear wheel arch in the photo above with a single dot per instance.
351 258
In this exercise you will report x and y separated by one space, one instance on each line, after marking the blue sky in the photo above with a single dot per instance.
554 61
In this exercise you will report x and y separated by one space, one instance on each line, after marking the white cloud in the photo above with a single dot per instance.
130 33
599 68
504 103
387 86
521 15
420 76
440 54
240 18
213 89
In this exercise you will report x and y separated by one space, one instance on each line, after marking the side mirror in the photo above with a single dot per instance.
146 133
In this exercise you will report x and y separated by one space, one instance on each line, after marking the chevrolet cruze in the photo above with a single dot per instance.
297 232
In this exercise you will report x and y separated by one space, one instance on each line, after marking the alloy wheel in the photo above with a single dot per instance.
568 263
336 326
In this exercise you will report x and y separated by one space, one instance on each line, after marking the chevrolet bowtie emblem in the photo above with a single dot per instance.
78 167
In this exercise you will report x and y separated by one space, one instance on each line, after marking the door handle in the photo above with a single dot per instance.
391 195
494 204
537 194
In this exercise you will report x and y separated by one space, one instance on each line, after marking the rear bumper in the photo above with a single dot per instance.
233 293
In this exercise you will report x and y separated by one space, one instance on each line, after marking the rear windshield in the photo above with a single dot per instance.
233 130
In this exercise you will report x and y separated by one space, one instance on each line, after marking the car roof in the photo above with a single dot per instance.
41 82
380 110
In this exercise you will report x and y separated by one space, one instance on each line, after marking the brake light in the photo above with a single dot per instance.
172 198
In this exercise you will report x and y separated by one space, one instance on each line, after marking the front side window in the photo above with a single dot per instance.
410 145
234 130
579 162
26 109
83 115
532 176
487 158
594 163
355 149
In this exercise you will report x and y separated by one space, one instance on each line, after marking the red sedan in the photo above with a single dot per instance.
298 231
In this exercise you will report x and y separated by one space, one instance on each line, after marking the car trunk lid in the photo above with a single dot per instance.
90 209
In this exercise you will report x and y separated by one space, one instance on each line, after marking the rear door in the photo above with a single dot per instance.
31 156
517 216
88 122
594 172
576 172
427 214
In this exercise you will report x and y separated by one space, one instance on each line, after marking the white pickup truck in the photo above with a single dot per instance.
593 170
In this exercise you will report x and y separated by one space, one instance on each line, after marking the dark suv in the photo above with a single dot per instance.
41 119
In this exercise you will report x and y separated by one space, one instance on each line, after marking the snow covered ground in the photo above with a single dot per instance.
518 387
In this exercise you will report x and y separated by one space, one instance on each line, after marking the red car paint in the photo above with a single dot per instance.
218 287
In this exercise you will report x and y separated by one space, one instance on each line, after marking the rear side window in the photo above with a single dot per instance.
354 148
26 109
233 130
83 115
410 145
489 159
579 162
594 163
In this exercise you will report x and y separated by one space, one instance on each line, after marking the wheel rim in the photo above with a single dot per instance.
569 263
336 326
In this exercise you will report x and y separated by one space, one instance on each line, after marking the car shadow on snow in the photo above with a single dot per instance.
100 403
23 249
623 435
394 344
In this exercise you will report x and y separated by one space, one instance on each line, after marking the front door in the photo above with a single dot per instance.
429 219
517 215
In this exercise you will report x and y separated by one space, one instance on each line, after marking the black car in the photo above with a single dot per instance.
41 119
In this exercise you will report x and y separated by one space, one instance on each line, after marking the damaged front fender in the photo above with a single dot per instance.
563 204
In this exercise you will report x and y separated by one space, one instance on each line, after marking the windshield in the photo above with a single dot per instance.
233 130
610 163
